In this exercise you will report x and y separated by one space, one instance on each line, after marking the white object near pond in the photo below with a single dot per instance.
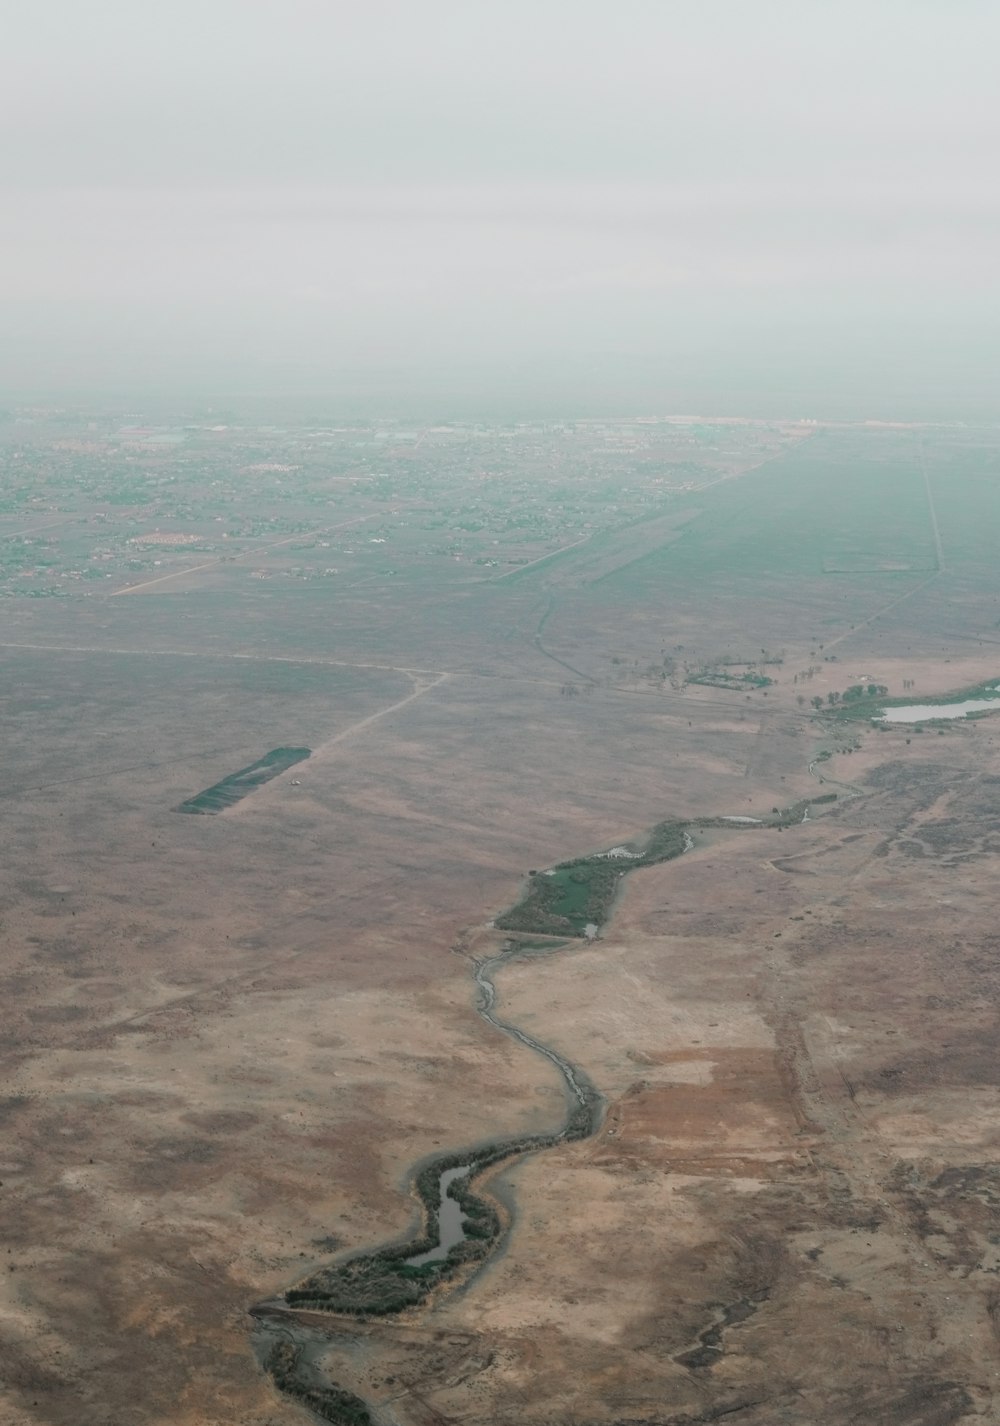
755 821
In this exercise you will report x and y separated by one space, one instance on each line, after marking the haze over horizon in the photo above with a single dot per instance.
500 681
781 208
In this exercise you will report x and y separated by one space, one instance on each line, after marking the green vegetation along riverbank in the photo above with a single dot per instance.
386 1281
851 706
575 898
330 1403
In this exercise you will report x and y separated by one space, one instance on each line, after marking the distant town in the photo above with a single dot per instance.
117 501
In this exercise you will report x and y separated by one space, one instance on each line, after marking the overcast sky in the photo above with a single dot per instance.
723 200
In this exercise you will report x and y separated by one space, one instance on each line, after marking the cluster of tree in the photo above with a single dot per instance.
665 842
597 878
854 694
330 1403
369 1286
532 914
789 816
710 678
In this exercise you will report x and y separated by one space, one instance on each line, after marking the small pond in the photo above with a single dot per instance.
922 712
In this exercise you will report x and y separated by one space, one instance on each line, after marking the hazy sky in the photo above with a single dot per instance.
735 199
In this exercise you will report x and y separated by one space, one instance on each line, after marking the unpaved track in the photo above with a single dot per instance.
258 550
670 701
37 529
215 654
510 573
832 643
359 727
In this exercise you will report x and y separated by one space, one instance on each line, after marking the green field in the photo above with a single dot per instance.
827 508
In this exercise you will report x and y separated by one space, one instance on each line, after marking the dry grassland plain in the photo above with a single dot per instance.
228 1040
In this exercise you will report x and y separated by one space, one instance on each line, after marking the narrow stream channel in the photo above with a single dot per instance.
290 1351
577 1087
462 1228
451 1218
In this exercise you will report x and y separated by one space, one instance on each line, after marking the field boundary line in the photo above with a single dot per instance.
215 654
522 568
261 550
670 701
832 643
37 529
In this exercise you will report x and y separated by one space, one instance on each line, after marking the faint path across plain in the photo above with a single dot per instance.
373 718
216 654
675 702
520 569
37 529
884 609
258 550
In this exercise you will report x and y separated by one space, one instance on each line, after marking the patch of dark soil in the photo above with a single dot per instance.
972 1061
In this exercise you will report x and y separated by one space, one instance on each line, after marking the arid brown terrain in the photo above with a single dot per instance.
228 1039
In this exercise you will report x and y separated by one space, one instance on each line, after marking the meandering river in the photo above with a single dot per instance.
289 1349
